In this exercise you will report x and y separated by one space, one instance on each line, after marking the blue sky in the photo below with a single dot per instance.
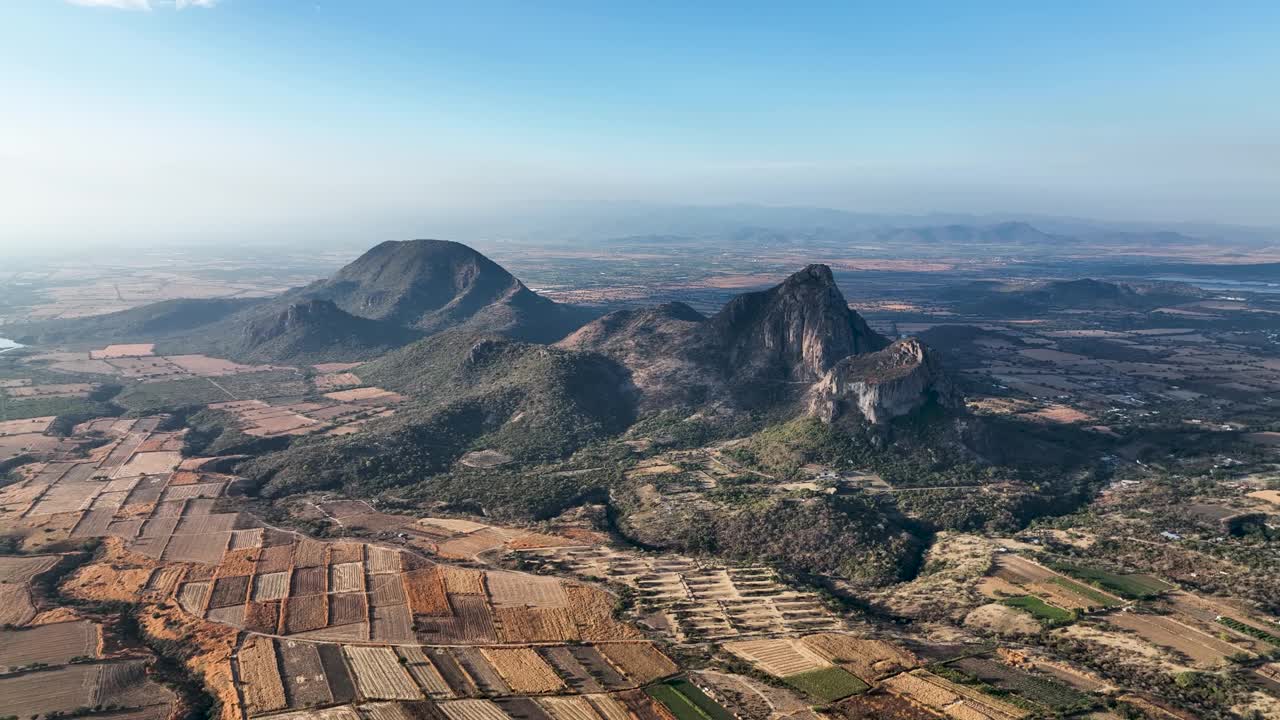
148 119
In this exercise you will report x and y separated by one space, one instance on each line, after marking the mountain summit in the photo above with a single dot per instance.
798 339
435 285
796 330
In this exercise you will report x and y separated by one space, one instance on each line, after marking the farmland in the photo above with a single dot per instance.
1040 609
826 684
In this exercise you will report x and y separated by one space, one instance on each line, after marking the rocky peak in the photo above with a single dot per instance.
796 330
882 385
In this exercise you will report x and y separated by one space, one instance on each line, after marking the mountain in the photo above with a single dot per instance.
1082 294
793 331
763 349
1018 234
154 322
435 285
521 401
395 293
314 331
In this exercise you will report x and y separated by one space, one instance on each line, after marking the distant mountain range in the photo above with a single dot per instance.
1025 299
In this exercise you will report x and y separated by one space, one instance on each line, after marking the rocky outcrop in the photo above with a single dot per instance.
797 330
882 385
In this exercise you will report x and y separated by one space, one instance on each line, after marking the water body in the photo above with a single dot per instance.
7 344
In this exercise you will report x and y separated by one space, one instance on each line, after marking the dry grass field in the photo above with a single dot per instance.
259 676
779 657
379 674
524 670
640 661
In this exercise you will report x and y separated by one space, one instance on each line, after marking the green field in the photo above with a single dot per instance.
1134 587
828 684
1081 589
1039 608
686 701
1249 630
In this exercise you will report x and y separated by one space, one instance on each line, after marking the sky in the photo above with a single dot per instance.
184 120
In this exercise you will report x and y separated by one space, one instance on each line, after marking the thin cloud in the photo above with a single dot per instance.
117 4
145 4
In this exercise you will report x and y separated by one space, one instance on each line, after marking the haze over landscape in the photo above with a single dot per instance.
143 122
582 361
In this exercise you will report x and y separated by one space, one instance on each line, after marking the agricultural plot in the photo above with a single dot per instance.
54 644
15 604
640 661
338 410
487 679
1046 613
827 684
472 710
379 674
1133 586
533 624
869 659
686 702
701 602
781 657
951 699
259 676
1053 696
21 570
524 670
424 672
305 683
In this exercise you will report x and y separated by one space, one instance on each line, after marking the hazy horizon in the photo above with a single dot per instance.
142 122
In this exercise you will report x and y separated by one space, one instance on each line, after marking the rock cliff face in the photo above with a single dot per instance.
795 331
882 385
764 349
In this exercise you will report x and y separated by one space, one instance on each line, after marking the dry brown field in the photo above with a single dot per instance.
512 589
519 625
34 425
569 708
640 661
123 351
15 604
309 580
592 611
228 591
379 674
334 381
364 394
262 617
426 592
304 679
347 608
259 676
1204 650
53 644
61 690
524 671
424 672
472 710
346 577
383 560
306 612
481 671
779 657
868 659
20 570
392 623
463 581
346 552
